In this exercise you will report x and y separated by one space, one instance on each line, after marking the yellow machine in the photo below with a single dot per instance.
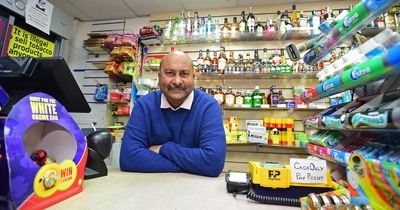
276 175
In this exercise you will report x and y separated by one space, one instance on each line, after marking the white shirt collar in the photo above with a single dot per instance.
187 104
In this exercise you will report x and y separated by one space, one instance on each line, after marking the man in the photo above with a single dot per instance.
177 128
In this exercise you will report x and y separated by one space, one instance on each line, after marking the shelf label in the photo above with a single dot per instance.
308 171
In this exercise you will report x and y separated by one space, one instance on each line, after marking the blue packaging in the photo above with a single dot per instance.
333 84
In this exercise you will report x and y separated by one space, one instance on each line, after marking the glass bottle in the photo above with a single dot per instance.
293 15
281 99
303 20
239 99
229 97
248 66
200 62
256 62
203 27
225 28
219 95
276 60
188 25
231 63
207 62
168 29
217 30
271 93
196 25
259 27
214 63
235 25
243 23
265 61
209 25
181 28
247 99
283 58
315 21
251 21
222 59
240 64
175 27
256 97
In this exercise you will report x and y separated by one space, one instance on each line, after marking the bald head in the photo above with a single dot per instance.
177 55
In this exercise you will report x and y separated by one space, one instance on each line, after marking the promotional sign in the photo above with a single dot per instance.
308 171
38 14
26 44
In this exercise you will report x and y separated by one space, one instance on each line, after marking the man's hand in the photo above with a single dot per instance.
155 148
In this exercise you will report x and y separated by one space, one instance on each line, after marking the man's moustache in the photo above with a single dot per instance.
177 88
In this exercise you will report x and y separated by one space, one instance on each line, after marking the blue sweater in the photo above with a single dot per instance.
192 140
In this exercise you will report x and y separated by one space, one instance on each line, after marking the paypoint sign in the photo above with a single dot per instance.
26 44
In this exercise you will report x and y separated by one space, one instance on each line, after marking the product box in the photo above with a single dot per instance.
43 154
254 123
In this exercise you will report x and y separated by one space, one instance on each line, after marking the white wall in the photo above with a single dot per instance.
86 73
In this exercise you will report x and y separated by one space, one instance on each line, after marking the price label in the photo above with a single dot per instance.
308 171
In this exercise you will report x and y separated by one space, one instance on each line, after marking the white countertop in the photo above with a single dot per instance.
124 190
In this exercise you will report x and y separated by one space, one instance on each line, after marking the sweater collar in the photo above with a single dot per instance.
187 104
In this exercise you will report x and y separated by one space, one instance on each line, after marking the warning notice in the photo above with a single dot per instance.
26 44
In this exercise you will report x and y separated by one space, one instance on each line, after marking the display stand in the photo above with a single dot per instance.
33 120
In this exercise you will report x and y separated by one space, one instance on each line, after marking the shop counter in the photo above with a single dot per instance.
125 190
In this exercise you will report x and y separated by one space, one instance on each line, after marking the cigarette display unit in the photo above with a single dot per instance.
43 152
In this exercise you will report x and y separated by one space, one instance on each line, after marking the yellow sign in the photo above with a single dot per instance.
26 44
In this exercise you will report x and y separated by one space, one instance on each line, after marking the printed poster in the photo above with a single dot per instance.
38 14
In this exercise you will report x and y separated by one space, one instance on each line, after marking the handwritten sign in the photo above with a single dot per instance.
308 171
25 44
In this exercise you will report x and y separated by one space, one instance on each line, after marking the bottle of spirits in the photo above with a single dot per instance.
181 28
222 59
283 58
188 25
207 62
276 60
256 62
175 29
235 25
202 28
259 27
274 98
247 99
217 30
214 63
231 63
229 97
303 20
210 28
293 16
239 99
200 62
265 61
240 64
271 95
315 22
251 21
196 25
256 97
248 66
168 29
281 99
225 28
219 95
243 23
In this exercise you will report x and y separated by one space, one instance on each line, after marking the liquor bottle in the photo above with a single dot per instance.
247 99
278 18
231 63
222 60
175 27
315 22
196 24
240 64
200 62
293 16
188 25
235 25
329 15
209 25
270 27
181 28
203 28
207 62
276 60
239 99
243 23
214 63
259 27
281 99
219 95
264 61
229 97
248 66
256 62
283 20
283 59
272 96
251 21
256 97
323 15
168 29
225 28
303 20
217 30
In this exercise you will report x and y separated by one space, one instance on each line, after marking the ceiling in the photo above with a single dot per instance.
91 10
